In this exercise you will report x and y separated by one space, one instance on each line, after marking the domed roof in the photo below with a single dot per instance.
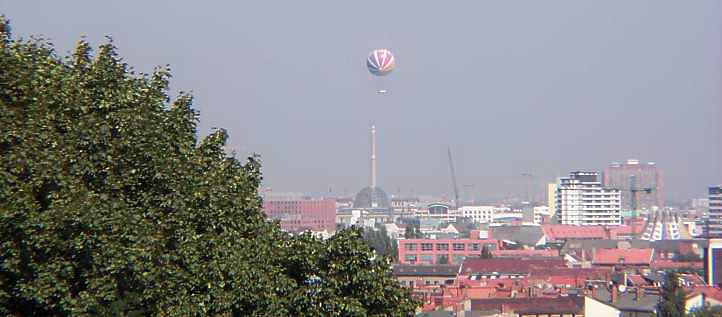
366 196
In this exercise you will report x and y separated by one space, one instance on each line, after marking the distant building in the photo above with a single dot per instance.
713 263
478 214
633 174
442 251
405 205
664 225
582 200
298 215
542 214
713 228
552 197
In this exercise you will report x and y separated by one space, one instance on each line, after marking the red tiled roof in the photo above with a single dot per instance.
477 265
637 280
525 253
623 256
531 305
708 291
669 264
560 232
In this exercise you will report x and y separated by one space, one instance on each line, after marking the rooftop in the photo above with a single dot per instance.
623 256
628 300
479 265
527 235
425 270
562 232
524 253
538 305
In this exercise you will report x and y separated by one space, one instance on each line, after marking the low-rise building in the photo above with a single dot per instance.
442 251
425 275
637 302
623 257
298 215
702 296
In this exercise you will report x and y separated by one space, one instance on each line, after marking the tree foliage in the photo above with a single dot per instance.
672 303
111 205
413 231
379 240
486 253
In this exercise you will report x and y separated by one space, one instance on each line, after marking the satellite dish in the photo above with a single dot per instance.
622 288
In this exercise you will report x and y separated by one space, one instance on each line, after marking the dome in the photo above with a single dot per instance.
364 198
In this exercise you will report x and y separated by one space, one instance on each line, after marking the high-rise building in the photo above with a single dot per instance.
632 178
713 262
582 200
298 215
713 227
552 197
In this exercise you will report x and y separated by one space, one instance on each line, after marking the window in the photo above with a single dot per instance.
456 259
474 247
427 247
442 247
427 259
410 258
458 247
410 246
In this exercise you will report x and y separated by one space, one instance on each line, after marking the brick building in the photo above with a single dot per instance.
442 251
298 215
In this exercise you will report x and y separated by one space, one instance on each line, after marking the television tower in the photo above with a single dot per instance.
373 157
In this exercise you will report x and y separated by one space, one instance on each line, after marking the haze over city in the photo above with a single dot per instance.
512 87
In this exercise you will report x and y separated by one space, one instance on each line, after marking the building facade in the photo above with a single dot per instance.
713 227
298 215
479 214
582 200
442 251
636 175
713 263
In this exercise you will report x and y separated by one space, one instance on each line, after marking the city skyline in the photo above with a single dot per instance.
511 88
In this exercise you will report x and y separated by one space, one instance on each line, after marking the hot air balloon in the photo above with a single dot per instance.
381 62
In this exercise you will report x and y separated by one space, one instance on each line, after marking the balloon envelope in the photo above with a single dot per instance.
381 62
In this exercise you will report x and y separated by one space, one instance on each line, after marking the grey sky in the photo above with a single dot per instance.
511 86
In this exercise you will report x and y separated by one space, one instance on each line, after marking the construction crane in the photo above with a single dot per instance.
633 190
453 180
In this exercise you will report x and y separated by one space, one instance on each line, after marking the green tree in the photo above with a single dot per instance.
110 205
485 253
672 303
380 242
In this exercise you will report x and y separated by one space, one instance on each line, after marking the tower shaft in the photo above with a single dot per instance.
373 156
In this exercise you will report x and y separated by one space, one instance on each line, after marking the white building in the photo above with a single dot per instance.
479 214
540 212
582 200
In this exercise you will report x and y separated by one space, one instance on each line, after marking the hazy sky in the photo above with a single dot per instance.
512 86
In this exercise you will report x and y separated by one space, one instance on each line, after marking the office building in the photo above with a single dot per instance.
713 226
632 178
582 200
